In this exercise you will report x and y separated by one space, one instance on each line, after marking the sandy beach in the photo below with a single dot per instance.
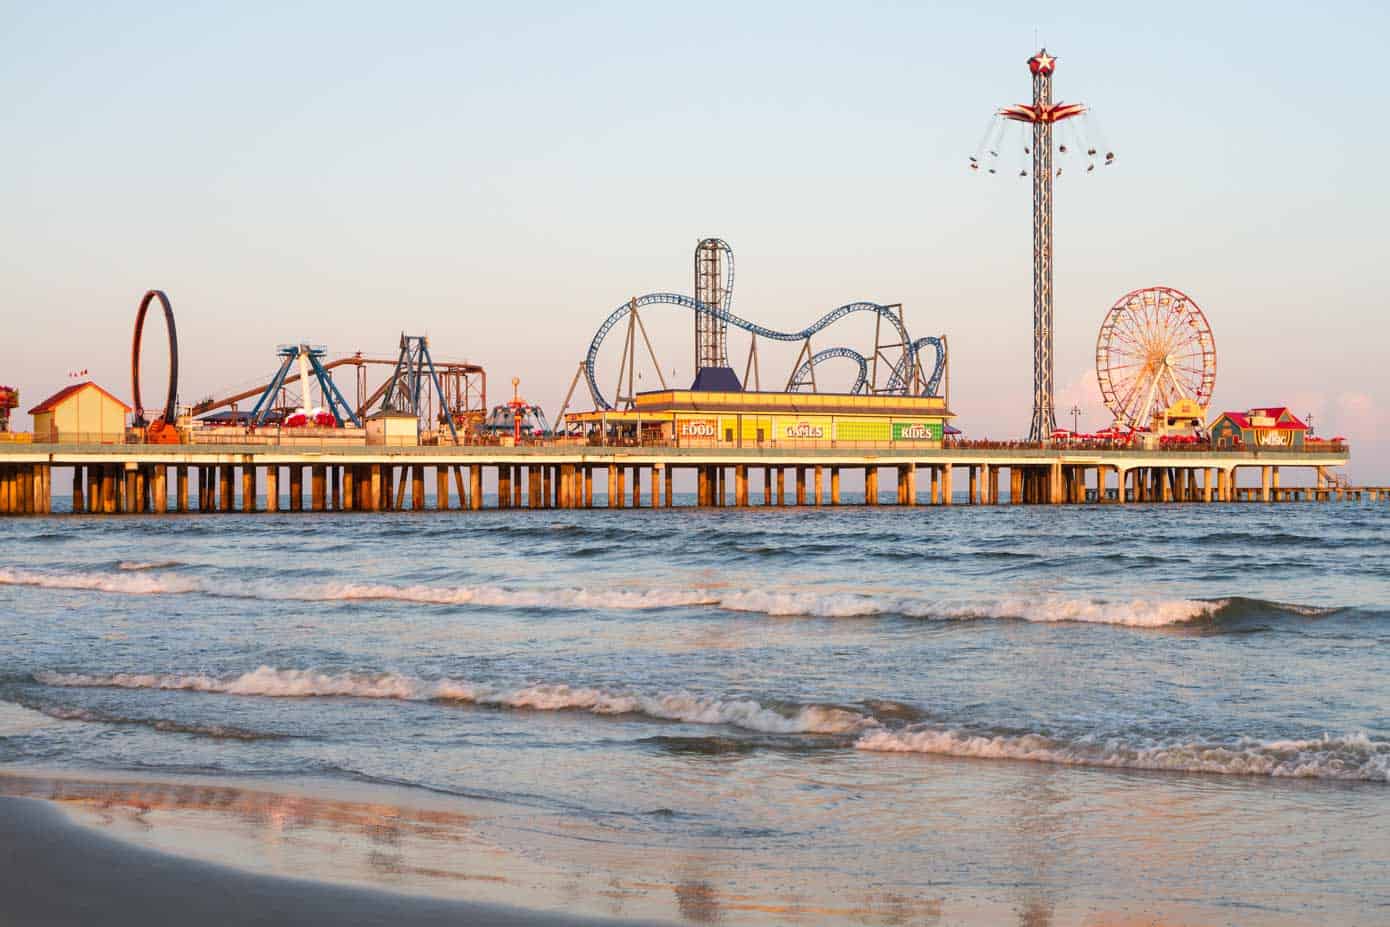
55 872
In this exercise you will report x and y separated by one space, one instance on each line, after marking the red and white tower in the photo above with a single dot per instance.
1042 115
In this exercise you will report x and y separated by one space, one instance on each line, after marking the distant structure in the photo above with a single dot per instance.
1041 115
714 291
82 413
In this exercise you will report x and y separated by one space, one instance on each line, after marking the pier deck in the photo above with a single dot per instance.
129 478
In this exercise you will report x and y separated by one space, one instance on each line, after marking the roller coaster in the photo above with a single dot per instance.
907 375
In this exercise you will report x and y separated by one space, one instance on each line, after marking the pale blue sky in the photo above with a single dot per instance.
502 176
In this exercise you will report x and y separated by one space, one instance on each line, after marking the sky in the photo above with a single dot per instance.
499 177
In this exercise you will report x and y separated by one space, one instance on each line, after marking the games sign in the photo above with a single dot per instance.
803 431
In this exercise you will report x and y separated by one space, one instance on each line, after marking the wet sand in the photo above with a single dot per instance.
55 872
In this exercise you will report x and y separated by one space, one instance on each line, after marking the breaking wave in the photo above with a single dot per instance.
138 578
281 683
1351 756
128 583
163 725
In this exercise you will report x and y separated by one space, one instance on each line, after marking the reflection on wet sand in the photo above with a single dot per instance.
447 852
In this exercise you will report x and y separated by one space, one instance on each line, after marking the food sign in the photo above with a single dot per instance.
706 429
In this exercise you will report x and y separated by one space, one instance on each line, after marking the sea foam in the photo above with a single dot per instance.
1350 756
271 682
141 579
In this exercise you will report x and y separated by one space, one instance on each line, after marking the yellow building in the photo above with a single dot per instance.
83 413
696 418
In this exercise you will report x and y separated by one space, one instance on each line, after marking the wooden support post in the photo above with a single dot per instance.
636 487
475 487
226 488
945 485
800 485
1265 483
720 496
159 489
622 487
655 475
441 487
871 485
767 485
781 486
504 487
741 485
835 486
181 488
935 485
912 484
272 488
974 485
546 482
818 487
79 501
417 487
668 495
614 496
248 488
297 488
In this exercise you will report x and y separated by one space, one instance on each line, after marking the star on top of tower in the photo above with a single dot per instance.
1042 63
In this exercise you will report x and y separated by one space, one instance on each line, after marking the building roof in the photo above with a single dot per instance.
1284 420
58 398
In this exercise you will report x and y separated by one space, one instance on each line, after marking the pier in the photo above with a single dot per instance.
127 479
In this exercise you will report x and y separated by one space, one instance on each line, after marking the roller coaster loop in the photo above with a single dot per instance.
170 411
897 382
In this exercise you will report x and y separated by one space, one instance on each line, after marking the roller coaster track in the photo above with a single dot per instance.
897 381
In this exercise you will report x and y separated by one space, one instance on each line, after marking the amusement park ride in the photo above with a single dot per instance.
1155 350
1042 116
893 366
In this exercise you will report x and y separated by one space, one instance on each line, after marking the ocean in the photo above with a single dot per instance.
1034 715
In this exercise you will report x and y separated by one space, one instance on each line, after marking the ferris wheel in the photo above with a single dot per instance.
1155 347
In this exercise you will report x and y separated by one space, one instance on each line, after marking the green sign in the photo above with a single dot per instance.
916 431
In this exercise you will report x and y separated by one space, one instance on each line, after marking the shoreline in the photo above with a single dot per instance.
56 871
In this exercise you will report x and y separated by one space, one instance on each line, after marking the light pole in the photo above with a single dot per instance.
1075 417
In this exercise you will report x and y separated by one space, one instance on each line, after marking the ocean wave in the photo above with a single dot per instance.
271 682
570 598
128 583
143 579
1349 756
163 725
141 565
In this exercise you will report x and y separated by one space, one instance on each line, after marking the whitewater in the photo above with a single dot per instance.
882 698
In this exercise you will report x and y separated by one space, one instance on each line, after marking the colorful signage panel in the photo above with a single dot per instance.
699 429
916 431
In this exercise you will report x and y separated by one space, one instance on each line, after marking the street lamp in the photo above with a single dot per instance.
1075 416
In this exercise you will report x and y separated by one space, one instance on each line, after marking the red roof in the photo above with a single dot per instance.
1242 419
57 398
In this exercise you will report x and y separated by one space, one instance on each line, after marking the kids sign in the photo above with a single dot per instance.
916 431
